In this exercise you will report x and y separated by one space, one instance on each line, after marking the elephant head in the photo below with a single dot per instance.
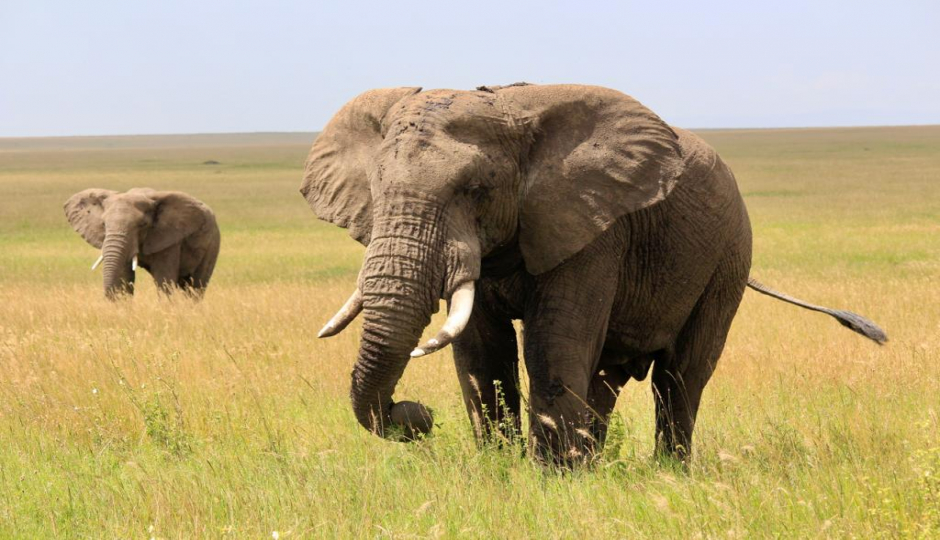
435 182
125 226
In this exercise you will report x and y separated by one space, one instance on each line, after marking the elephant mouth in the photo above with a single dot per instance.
134 262
461 307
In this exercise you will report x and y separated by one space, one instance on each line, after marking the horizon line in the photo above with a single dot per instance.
290 132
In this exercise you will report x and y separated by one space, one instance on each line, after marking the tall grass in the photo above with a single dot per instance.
164 418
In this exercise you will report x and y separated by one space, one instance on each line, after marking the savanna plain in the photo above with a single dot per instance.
173 419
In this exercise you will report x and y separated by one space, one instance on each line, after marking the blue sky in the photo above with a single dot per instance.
121 67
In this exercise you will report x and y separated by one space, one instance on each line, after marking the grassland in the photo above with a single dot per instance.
156 418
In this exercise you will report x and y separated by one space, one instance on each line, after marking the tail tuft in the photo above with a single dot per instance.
852 321
861 325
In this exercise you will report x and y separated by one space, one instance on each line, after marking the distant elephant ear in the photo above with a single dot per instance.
84 210
595 156
176 216
336 180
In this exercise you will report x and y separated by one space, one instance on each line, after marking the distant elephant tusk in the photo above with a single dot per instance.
134 263
461 306
100 258
344 316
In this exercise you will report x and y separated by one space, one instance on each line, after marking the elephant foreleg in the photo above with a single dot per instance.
487 362
565 329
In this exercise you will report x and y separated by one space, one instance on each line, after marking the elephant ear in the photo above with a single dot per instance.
84 210
595 156
336 175
176 216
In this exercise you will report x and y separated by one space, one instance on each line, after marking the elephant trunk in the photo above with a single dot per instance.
116 253
401 281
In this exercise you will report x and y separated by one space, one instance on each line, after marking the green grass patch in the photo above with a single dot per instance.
228 418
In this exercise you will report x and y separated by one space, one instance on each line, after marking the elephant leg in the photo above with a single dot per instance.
561 359
565 330
487 360
164 266
196 283
679 377
602 397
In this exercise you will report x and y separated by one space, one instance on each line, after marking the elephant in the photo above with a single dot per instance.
170 234
621 243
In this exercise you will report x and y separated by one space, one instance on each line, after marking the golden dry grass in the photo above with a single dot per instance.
228 418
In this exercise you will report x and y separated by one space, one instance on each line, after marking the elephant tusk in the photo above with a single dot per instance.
134 263
344 316
461 306
100 258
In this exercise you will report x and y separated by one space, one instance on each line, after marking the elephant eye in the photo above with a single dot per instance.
476 191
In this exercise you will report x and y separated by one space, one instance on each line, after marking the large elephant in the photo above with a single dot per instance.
168 233
619 241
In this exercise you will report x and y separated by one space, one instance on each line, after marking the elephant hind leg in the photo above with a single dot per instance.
164 266
680 377
203 272
195 284
602 397
607 383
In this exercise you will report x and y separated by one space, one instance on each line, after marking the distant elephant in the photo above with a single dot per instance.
619 241
168 233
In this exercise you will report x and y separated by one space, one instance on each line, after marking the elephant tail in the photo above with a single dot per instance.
852 321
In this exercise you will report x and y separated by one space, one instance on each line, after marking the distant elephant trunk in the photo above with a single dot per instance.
401 282
116 259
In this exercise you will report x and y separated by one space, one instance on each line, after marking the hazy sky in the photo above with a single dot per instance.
94 67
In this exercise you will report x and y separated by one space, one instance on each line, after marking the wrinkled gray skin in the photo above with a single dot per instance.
174 236
620 242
